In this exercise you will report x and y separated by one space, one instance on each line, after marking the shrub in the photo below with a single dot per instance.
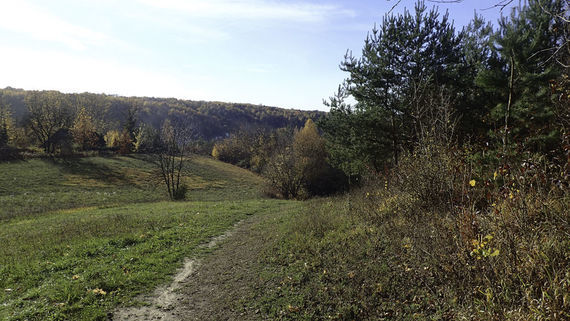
432 174
284 175
112 139
179 194
495 243
235 149
299 168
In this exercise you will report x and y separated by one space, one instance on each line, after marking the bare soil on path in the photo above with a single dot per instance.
212 288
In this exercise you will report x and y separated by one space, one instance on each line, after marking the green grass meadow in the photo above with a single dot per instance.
80 237
84 236
38 186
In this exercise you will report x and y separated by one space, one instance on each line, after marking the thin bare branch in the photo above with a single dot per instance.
394 6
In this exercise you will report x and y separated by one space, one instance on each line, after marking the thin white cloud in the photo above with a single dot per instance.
25 18
180 26
251 9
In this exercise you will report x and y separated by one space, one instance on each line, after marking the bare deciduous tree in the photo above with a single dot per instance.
502 4
433 113
175 138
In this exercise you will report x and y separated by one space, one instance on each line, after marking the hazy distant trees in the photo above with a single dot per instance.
48 112
37 115
6 123
84 132
214 119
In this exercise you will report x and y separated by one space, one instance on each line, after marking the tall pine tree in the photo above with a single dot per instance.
519 78
401 63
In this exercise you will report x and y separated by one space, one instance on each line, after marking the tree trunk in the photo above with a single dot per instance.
508 111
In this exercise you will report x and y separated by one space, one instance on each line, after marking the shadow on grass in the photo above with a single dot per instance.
90 170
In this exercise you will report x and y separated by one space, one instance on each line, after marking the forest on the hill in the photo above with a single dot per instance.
30 118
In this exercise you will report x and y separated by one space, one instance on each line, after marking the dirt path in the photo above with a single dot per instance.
208 289
162 301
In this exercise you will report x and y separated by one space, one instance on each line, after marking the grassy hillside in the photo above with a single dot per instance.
42 185
79 237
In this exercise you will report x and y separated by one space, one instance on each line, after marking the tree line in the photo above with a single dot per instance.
168 131
58 122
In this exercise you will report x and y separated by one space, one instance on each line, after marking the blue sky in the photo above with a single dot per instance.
278 53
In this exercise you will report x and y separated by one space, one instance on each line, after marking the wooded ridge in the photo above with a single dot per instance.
212 119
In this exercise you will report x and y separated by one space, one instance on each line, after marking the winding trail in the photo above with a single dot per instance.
208 289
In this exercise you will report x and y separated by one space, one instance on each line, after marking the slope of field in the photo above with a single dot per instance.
41 185
82 236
